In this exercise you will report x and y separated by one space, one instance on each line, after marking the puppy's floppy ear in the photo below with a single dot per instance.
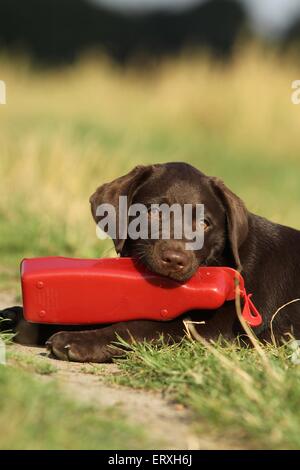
109 193
237 217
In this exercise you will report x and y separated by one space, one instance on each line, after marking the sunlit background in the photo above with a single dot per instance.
96 87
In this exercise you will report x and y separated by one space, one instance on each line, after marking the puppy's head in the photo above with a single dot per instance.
225 222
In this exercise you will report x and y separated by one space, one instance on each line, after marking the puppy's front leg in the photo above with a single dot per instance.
98 345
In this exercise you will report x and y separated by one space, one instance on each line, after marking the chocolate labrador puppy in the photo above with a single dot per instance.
267 254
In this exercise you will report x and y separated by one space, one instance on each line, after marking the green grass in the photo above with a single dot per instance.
31 363
6 335
36 415
234 394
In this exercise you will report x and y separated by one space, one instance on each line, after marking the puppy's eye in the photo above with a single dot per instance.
154 212
205 224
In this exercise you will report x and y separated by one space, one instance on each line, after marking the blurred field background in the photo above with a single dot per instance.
70 127
65 131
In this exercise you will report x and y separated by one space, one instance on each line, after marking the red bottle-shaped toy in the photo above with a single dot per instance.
90 291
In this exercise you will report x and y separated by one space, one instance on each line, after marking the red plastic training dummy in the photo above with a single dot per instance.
86 291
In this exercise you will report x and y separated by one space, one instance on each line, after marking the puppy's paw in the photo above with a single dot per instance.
79 347
10 316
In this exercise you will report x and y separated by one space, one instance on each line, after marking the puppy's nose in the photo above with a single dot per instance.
174 260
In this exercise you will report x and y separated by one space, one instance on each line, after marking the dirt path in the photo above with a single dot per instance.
170 423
